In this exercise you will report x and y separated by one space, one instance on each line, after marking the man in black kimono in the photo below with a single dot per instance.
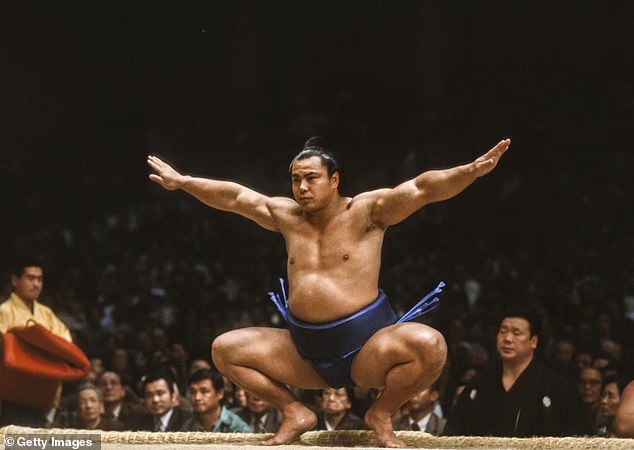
518 396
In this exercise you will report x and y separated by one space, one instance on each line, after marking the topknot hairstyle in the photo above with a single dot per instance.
316 146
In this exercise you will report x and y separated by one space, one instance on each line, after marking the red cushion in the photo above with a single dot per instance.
34 362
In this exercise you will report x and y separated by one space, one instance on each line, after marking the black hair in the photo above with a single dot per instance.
349 393
89 387
22 262
316 146
522 312
156 376
124 382
613 379
206 374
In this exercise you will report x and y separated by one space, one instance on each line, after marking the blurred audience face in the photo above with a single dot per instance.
160 338
96 369
158 398
28 286
89 407
564 351
144 341
240 396
477 356
422 402
603 325
120 359
589 386
198 364
178 354
611 349
96 365
514 341
583 360
205 399
456 332
600 363
257 405
610 400
335 401
110 385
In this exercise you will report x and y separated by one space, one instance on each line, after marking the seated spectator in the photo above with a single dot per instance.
450 401
116 407
607 365
518 396
178 358
260 415
610 401
206 390
561 359
624 418
602 361
611 349
477 356
162 403
89 411
198 364
120 363
96 369
589 389
194 366
239 398
361 400
335 411
582 359
420 415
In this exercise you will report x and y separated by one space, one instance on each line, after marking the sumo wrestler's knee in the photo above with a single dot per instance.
223 347
431 346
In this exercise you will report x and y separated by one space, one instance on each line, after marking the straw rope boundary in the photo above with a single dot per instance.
347 438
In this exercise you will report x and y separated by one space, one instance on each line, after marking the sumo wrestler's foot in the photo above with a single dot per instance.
381 424
297 419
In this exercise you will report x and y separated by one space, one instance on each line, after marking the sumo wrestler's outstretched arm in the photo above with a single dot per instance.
218 194
391 206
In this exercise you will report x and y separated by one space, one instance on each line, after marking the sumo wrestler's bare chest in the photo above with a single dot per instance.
338 243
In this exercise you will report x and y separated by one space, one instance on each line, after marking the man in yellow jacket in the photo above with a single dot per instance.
27 278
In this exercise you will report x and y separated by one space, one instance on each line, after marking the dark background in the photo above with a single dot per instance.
232 89
88 88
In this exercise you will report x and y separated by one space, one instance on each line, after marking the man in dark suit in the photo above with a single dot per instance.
115 405
88 412
162 403
260 415
335 411
420 416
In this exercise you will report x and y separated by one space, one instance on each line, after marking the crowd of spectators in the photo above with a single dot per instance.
146 279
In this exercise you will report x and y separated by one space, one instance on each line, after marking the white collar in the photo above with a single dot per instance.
165 419
422 423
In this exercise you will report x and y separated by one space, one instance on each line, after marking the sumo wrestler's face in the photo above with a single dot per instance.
312 188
